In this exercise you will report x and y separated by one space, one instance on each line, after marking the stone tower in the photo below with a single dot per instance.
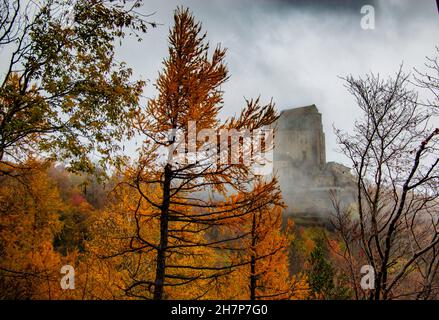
305 178
300 138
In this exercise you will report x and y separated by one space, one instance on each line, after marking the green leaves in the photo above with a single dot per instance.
66 95
320 274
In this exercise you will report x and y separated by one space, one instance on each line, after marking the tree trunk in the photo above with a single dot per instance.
161 252
253 262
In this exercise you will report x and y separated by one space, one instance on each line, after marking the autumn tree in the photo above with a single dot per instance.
46 222
264 254
62 93
394 155
191 198
428 81
29 211
111 262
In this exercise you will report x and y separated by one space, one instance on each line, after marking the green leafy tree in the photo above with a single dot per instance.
63 94
320 273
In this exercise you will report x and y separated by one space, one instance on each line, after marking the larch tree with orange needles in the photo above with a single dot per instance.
264 255
191 196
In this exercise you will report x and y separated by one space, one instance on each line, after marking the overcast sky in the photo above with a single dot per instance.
295 51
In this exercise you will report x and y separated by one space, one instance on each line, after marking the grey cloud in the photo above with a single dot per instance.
295 51
318 6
